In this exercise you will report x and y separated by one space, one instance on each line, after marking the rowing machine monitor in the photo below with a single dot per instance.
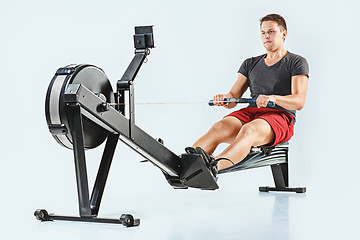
144 37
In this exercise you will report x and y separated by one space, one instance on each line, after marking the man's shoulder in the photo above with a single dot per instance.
297 64
249 63
254 60
294 57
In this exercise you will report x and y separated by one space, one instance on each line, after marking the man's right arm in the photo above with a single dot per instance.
237 90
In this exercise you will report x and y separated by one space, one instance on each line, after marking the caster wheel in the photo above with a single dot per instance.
129 221
41 215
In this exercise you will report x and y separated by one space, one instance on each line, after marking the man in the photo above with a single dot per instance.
278 76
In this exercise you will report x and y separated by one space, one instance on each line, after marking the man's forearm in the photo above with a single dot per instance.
290 102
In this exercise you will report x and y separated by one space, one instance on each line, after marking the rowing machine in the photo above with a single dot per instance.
82 111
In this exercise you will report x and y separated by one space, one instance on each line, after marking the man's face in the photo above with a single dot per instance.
272 36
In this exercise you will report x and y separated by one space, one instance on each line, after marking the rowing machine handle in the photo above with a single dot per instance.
242 100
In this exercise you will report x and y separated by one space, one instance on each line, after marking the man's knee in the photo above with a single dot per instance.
249 130
219 126
226 127
255 129
258 132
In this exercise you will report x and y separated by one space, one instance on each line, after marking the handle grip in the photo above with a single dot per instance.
241 100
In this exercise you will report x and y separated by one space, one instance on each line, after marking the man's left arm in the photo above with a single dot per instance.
295 101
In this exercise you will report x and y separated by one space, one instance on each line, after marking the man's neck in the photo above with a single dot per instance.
277 54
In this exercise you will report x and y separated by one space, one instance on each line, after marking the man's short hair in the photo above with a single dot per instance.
276 18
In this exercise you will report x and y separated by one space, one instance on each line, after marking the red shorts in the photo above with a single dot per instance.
281 122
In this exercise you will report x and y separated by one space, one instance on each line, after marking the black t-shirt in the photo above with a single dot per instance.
274 79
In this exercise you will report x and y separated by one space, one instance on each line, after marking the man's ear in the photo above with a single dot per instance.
284 35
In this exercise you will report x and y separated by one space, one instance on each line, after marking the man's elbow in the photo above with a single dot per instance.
299 101
299 108
300 105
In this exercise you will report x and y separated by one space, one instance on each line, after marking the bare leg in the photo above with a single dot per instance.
255 133
224 131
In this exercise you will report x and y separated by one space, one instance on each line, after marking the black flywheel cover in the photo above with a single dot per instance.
56 113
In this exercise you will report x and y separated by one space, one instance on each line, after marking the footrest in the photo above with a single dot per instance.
283 189
195 173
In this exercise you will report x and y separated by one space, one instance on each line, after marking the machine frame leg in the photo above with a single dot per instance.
281 178
103 173
79 160
88 208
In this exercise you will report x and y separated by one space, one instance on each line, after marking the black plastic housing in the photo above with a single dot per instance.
144 37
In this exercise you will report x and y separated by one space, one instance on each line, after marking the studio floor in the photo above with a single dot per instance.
235 211
225 216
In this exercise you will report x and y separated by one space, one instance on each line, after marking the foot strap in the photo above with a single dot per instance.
220 159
